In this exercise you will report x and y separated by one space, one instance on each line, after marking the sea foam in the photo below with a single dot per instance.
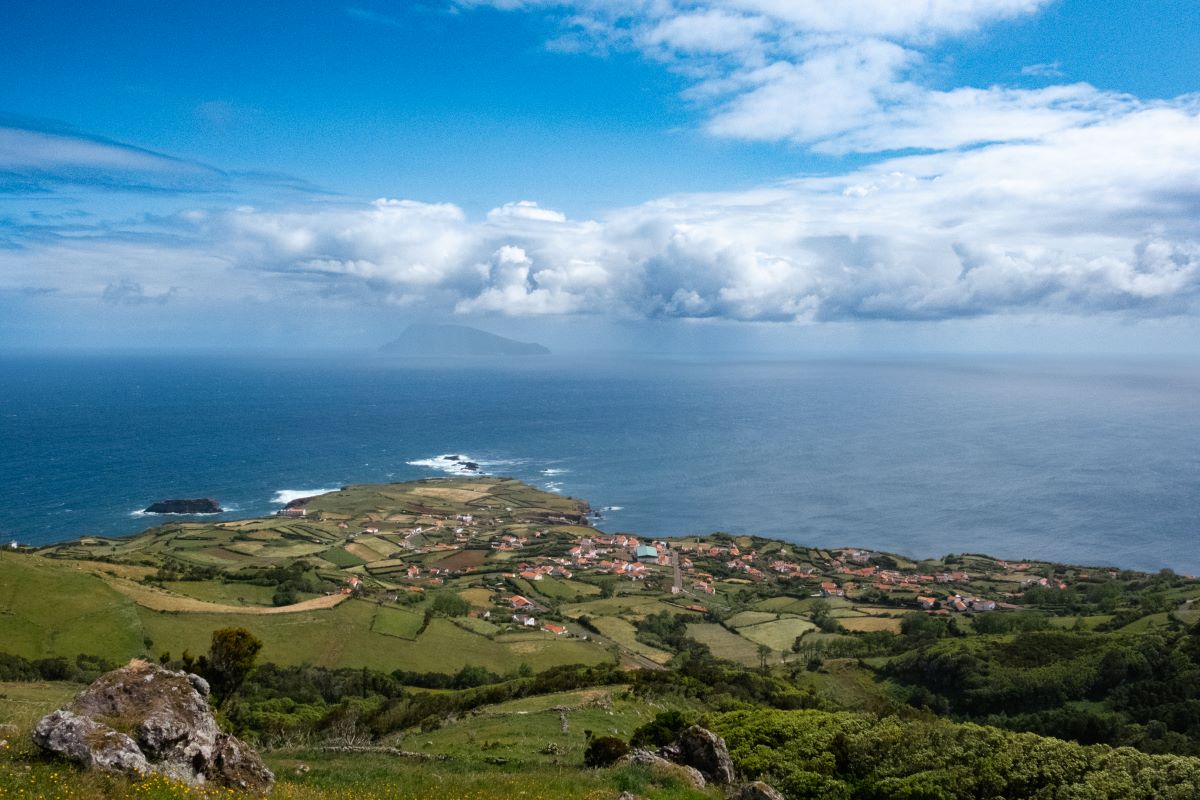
458 464
285 496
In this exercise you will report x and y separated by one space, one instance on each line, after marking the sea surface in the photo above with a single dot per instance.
1084 461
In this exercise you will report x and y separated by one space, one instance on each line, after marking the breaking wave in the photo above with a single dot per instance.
285 496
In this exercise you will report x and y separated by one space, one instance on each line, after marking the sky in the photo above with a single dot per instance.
678 175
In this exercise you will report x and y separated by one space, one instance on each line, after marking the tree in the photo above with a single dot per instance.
231 656
448 604
764 653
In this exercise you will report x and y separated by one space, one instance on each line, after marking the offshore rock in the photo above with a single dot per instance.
201 505
143 718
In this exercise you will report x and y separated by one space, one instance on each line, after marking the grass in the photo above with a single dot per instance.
633 606
751 618
778 635
624 634
724 644
1144 624
48 611
786 605
21 704
359 776
339 557
399 622
345 636
871 624
244 594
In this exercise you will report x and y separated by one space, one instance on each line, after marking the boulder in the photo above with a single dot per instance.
662 768
756 791
143 718
701 748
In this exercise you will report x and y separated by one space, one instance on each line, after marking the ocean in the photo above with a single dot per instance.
1085 461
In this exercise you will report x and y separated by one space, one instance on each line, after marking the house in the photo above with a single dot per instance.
979 604
413 571
831 589
519 602
557 630
525 620
704 587
926 603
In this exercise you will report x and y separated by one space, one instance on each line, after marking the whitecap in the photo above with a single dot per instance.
285 496
454 464
553 471
144 513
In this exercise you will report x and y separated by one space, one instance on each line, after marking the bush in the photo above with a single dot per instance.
663 730
604 751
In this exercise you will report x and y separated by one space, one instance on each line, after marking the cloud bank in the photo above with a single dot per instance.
1090 220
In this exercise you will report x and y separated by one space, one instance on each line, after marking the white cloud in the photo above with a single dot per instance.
525 210
1100 217
841 77
1087 220
36 159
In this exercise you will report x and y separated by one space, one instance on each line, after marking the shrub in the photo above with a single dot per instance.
604 751
662 730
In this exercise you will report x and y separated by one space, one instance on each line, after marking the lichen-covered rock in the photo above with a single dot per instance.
662 768
701 748
756 791
143 718
91 743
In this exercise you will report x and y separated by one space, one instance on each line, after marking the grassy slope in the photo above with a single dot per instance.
515 733
47 610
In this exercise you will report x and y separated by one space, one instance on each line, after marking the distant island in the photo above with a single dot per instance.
457 340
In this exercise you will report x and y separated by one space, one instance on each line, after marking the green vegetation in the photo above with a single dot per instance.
392 616
820 754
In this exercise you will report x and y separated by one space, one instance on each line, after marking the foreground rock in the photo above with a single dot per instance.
757 791
701 748
662 768
201 505
143 718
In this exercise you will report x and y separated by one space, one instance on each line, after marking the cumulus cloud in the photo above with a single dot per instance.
1098 219
1094 219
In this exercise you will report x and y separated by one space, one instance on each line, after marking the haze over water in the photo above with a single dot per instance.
1085 461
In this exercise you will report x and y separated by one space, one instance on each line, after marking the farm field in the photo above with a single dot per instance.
623 633
779 634
724 644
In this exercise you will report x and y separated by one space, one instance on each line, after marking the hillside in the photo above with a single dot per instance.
489 626
442 341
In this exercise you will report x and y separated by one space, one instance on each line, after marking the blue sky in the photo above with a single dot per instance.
782 173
